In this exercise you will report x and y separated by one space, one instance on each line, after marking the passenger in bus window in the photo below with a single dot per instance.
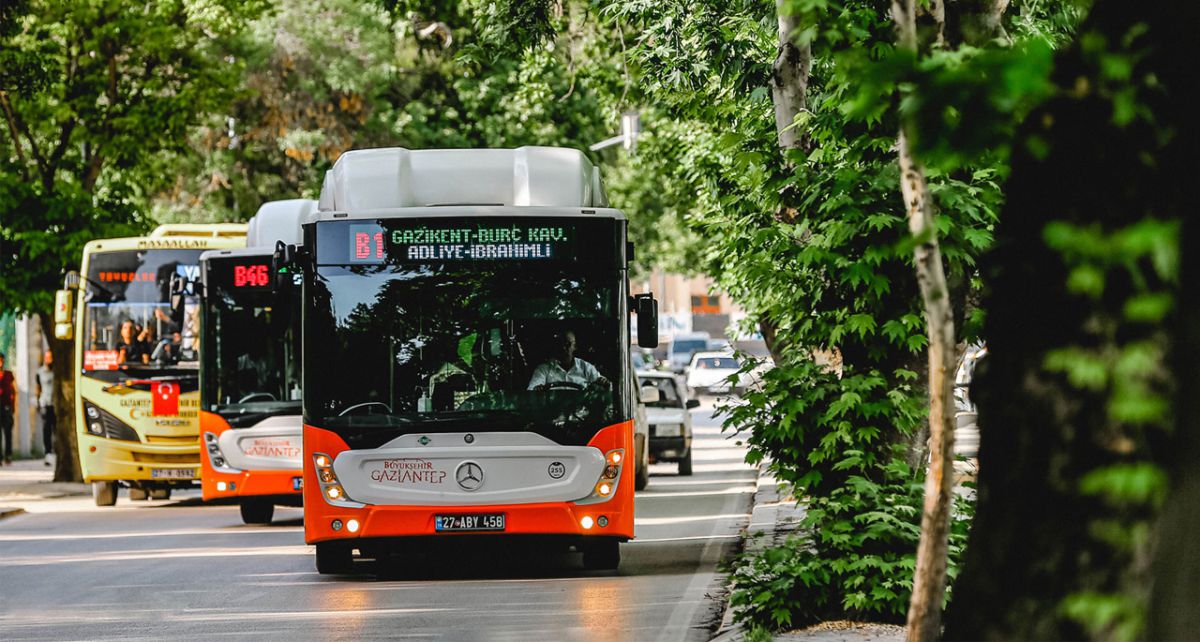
564 367
129 349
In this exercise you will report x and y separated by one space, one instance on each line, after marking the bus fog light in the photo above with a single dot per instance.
336 525
586 522
603 521
352 525
222 486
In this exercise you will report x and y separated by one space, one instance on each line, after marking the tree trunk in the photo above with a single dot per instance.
929 580
1039 544
929 577
1173 607
789 81
66 445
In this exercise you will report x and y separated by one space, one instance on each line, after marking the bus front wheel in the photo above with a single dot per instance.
104 492
257 511
334 558
602 555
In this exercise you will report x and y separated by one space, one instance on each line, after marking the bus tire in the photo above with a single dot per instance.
160 493
334 558
257 511
642 469
138 494
104 493
685 464
603 555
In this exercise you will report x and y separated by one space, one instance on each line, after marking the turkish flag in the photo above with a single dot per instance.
166 398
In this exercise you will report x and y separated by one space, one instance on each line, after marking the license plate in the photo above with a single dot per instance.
172 473
297 483
475 522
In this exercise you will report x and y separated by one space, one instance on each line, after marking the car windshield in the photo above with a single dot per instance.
251 355
688 346
714 363
426 346
128 323
668 392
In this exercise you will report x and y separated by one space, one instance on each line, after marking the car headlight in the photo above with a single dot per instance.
667 430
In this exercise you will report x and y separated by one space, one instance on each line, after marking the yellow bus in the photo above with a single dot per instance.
136 376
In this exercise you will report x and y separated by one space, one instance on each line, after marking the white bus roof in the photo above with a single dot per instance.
279 221
382 179
192 230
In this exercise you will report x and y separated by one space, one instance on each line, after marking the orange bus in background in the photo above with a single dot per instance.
442 407
250 425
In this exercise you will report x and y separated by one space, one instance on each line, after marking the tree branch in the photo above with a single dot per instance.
12 132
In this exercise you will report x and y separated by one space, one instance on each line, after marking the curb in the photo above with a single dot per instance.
772 520
7 511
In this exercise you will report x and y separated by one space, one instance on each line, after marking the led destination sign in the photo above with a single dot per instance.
519 241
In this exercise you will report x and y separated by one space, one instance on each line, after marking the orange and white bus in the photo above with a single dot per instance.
250 426
469 311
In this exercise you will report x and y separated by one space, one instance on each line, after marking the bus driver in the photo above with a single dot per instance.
563 367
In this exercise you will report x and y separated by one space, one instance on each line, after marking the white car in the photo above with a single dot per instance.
710 372
670 420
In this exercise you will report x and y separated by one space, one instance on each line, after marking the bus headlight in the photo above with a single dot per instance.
610 478
215 456
331 487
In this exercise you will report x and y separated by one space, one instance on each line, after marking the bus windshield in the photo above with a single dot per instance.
128 325
464 347
251 356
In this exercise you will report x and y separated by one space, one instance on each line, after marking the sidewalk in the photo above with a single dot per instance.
774 519
30 480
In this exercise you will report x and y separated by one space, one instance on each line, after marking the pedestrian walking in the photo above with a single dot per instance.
8 405
45 401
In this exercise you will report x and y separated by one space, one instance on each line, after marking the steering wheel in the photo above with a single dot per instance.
260 396
364 405
563 385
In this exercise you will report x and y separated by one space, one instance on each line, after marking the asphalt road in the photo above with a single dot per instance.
170 569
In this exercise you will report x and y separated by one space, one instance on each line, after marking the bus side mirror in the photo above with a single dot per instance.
181 288
64 308
283 261
647 311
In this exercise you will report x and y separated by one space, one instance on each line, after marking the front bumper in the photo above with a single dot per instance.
669 448
103 459
559 518
249 483
224 483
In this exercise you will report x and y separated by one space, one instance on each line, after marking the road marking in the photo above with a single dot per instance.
126 556
660 521
737 490
129 534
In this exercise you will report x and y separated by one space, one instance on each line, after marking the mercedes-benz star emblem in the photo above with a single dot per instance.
469 475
